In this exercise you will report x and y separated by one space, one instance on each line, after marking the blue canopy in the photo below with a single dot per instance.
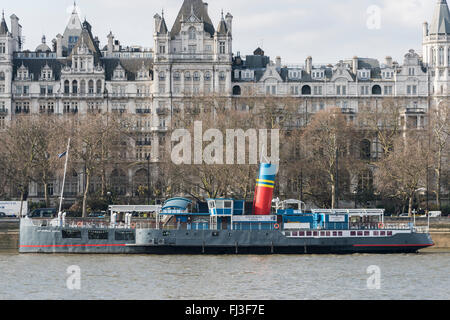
176 203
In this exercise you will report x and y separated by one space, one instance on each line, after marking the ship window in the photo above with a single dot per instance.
360 233
367 233
97 235
328 233
382 233
71 234
227 204
308 233
124 235
295 234
334 233
353 233
340 233
215 234
322 233
389 233
302 233
288 234
315 233
375 233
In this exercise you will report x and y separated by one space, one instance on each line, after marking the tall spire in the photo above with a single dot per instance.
441 19
3 25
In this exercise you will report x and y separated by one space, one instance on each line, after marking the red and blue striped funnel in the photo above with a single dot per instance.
262 203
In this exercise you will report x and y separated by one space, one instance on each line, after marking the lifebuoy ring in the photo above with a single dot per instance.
380 225
80 224
276 226
133 225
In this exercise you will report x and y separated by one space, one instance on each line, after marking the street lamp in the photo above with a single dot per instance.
148 178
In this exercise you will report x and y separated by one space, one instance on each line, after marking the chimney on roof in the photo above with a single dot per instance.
278 63
308 64
425 29
59 49
355 64
110 42
389 61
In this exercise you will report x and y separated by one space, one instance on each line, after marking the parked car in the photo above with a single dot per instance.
43 213
435 214
99 215
2 215
406 214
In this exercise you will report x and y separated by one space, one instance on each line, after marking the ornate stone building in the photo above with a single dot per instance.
75 75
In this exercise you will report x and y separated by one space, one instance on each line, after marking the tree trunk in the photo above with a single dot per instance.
410 204
333 196
47 204
85 195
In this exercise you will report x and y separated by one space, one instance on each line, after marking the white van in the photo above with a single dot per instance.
435 214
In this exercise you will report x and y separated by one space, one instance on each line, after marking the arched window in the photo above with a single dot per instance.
162 76
441 56
83 86
365 150
99 86
66 87
376 89
75 86
2 75
365 182
176 76
187 75
306 90
207 76
222 76
119 182
196 76
192 33
91 87
237 90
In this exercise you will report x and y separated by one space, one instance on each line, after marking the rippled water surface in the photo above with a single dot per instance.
409 276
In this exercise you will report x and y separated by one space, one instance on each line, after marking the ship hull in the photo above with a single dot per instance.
34 239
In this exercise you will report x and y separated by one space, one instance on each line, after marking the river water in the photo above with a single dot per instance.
278 277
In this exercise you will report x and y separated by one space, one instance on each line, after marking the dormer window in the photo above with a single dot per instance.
22 73
192 33
119 73
46 73
317 74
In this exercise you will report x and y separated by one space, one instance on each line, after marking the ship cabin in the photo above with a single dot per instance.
214 214
232 214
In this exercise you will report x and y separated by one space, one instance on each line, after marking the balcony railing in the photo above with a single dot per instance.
3 111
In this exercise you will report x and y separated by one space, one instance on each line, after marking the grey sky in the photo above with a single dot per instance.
328 30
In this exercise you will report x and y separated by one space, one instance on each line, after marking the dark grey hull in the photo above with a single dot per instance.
35 239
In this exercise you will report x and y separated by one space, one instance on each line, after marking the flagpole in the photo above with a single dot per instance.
64 178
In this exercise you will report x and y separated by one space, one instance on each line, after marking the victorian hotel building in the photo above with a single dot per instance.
74 75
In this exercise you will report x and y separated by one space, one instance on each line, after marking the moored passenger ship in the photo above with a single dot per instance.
226 226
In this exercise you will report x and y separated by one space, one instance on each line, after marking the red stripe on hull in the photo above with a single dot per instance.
73 245
393 245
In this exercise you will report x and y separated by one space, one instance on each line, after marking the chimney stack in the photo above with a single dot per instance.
110 43
355 64
389 61
59 49
308 64
278 63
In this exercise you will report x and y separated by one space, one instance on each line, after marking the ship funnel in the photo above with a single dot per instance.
265 183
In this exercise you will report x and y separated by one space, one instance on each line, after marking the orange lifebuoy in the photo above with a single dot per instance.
380 225
276 226
80 224
133 225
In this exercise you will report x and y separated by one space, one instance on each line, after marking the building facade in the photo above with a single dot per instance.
74 75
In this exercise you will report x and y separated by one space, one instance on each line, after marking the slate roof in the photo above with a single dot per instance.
35 66
198 7
3 26
131 66
441 19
